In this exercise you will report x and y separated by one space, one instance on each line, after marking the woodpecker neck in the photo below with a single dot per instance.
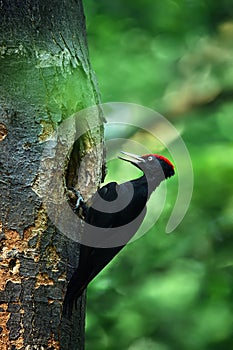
146 184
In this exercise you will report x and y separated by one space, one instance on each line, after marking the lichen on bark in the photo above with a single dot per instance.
45 77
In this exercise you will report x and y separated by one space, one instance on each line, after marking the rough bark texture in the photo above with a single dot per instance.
45 76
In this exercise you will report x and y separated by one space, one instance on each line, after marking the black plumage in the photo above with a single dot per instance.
112 219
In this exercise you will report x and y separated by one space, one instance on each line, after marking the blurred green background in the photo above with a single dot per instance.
171 292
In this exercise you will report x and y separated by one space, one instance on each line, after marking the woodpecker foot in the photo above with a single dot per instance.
79 200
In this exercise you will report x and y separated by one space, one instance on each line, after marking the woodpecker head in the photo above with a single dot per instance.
153 165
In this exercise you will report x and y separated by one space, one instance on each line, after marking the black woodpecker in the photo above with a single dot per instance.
112 219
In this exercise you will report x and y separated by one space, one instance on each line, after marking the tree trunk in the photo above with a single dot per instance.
45 77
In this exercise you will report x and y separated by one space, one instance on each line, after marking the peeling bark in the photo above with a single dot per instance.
45 77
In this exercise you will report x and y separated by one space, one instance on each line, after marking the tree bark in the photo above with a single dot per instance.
45 76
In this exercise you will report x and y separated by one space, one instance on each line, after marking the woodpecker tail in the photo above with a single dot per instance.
91 262
74 290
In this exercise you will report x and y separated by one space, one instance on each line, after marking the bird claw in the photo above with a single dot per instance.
79 201
76 199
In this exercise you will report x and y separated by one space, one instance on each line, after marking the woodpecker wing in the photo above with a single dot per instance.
118 227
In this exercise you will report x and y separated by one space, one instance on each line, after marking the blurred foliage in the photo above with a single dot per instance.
168 292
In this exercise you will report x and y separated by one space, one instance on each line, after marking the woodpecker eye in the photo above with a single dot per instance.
150 158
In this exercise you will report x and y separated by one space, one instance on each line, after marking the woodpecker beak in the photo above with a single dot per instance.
135 159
